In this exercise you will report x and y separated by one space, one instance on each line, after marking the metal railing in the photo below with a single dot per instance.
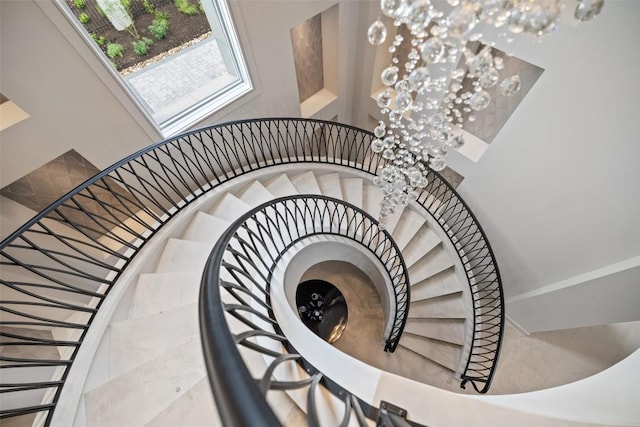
483 278
56 270
241 267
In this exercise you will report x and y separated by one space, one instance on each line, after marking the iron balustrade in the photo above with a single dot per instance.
57 269
241 266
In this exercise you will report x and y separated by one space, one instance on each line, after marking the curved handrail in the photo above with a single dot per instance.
57 269
247 254
444 204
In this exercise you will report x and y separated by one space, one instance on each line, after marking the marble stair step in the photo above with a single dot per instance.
205 228
432 263
444 354
254 194
305 183
330 185
196 407
280 186
371 198
229 208
423 242
447 330
352 190
135 398
445 307
136 341
392 220
444 283
183 256
409 364
410 223
352 193
163 291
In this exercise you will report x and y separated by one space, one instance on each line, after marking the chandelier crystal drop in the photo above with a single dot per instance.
427 99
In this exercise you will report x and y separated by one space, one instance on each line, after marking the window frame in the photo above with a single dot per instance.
198 111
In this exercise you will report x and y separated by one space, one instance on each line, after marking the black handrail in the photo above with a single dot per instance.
444 204
248 252
57 269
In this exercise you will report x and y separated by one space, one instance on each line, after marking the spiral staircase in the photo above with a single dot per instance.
125 282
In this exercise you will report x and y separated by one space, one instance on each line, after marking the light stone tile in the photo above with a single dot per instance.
429 265
280 186
194 408
447 355
136 397
305 183
392 220
449 330
255 194
444 283
164 291
410 364
330 185
371 198
450 306
548 359
137 341
287 411
183 256
410 224
424 241
229 208
352 190
205 228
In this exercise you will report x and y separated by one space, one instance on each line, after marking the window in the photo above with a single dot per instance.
180 60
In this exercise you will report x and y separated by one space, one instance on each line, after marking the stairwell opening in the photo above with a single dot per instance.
363 334
322 308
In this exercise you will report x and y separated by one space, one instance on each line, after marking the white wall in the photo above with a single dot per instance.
558 190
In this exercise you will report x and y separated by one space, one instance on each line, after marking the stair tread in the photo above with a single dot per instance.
330 185
229 208
445 307
371 198
183 256
163 291
280 186
391 221
135 397
419 368
448 330
423 242
352 190
434 262
410 223
205 228
305 183
196 407
445 354
444 283
254 194
136 341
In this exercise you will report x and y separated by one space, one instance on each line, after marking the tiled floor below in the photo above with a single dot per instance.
527 362
550 359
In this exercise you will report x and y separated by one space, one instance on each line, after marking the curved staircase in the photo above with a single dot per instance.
156 374
116 266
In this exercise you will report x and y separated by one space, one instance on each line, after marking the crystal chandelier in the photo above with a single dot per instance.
424 101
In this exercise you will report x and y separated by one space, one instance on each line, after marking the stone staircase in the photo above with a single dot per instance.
155 371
